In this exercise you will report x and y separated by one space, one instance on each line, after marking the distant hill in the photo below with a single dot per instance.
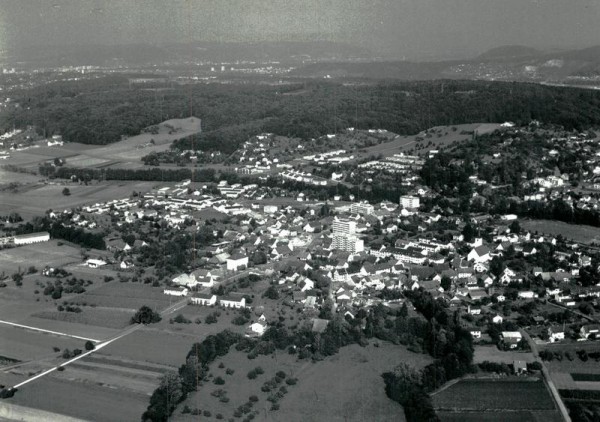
509 52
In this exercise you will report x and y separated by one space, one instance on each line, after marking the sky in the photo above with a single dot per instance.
394 28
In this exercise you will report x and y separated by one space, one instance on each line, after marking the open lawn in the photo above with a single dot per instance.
578 233
493 354
36 199
494 394
126 296
22 344
94 402
439 136
348 386
154 346
38 255
102 317
521 416
344 387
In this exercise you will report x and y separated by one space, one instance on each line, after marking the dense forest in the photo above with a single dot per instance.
100 111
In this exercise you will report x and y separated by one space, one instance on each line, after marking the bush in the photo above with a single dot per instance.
253 399
206 414
219 381
291 381
280 374
275 406
186 409
229 371
145 315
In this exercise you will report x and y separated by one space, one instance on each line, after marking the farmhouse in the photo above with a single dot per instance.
588 331
175 291
203 300
232 302
28 239
511 338
95 263
556 333
257 328
236 261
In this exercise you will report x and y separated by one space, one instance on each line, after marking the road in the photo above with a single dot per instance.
28 327
553 390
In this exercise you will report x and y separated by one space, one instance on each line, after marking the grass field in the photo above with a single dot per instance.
578 233
21 344
493 354
94 402
149 345
102 317
442 136
344 387
125 296
521 416
494 395
586 377
36 199
39 255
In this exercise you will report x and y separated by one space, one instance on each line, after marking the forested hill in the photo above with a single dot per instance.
99 112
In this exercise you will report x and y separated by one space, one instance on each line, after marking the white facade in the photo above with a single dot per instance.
408 201
28 239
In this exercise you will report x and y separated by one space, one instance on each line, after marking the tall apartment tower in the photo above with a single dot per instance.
344 236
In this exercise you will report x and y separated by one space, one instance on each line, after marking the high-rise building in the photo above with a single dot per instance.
362 208
344 236
408 201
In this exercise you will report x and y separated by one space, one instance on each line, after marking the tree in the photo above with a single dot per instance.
66 192
145 315
469 233
89 345
164 399
446 283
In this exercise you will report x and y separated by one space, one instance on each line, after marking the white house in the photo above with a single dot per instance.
95 263
497 319
232 302
176 291
479 254
204 300
236 261
556 333
257 328
185 280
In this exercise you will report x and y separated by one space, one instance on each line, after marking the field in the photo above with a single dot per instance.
127 152
493 354
102 317
578 233
441 136
39 255
36 199
494 395
23 344
153 346
125 296
344 387
586 377
94 402
499 417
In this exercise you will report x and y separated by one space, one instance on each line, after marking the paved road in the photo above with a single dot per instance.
29 327
561 406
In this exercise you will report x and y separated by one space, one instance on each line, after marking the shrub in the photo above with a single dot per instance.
229 371
206 414
219 381
291 381
253 398
280 374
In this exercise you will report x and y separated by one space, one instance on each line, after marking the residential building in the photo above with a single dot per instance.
408 201
204 300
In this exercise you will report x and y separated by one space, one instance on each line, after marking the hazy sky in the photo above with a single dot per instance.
398 27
